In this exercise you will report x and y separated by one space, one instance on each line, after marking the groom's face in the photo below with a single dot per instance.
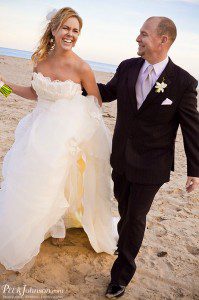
149 42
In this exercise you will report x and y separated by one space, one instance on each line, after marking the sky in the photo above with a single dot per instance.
110 27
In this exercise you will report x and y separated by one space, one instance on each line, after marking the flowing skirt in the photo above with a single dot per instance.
57 172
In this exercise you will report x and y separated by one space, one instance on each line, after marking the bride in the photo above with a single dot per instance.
57 173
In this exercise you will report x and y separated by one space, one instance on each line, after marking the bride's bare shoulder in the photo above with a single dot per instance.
82 65
41 66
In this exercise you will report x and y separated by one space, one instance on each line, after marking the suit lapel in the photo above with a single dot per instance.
153 96
133 74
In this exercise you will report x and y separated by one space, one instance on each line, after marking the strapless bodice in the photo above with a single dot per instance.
53 90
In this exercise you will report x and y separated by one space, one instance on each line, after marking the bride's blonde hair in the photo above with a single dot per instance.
47 41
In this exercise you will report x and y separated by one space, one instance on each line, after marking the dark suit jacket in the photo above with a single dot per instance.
144 139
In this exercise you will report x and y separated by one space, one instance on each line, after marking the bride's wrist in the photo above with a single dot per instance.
5 89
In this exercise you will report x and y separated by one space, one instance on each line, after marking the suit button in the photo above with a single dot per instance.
130 137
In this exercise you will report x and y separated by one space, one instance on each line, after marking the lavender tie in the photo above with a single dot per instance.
147 83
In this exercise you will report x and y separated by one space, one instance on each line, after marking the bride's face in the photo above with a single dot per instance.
66 36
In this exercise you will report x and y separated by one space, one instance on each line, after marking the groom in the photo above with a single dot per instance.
153 97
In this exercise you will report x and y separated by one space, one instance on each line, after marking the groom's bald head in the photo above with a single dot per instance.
156 36
165 26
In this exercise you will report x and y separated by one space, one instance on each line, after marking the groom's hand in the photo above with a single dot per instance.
192 183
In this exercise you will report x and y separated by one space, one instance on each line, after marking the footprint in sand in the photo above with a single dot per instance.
76 277
176 191
160 230
193 250
93 279
170 265
160 219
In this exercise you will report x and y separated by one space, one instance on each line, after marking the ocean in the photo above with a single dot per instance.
97 66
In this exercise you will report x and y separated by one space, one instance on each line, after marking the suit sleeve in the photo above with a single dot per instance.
189 122
109 91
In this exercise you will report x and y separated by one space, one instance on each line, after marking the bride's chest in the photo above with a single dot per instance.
53 90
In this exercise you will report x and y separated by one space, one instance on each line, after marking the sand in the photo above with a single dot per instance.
167 265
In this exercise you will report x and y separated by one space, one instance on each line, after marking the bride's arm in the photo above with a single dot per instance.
89 83
22 91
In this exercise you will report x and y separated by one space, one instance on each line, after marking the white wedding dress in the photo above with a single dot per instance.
56 175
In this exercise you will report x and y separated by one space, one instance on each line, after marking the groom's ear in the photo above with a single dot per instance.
164 39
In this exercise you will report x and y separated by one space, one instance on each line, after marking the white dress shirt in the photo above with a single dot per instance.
155 74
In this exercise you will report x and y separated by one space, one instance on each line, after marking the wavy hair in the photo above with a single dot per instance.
47 43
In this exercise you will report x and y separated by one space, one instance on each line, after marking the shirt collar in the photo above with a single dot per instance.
158 68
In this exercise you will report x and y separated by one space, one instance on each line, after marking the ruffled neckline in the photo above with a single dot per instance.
39 74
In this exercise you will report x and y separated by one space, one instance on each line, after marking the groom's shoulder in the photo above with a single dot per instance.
184 75
125 64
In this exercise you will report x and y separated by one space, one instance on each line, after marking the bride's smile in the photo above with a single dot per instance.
67 35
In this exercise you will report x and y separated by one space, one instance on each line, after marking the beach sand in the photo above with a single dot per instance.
167 265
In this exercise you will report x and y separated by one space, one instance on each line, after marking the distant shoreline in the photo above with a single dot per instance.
14 57
96 66
108 75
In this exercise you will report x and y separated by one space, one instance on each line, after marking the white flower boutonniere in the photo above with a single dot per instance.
160 86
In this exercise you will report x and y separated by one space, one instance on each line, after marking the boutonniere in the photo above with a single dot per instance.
160 86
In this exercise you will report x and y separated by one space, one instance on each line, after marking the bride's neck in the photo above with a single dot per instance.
62 54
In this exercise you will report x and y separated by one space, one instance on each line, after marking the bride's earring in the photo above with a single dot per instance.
52 43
